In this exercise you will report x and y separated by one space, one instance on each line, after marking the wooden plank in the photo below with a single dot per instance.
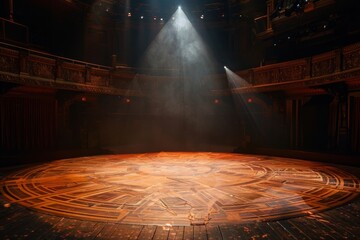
161 232
200 233
123 231
47 224
106 232
340 225
12 223
87 229
280 230
7 209
39 226
188 233
63 229
311 228
229 232
299 234
18 229
147 233
251 231
176 233
267 231
213 232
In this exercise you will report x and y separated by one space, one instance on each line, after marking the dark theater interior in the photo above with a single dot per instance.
179 119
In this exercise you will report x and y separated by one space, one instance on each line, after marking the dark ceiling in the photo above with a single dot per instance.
211 10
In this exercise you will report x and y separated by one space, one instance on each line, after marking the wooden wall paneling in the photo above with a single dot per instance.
72 72
100 77
355 123
351 56
324 64
292 70
9 60
42 66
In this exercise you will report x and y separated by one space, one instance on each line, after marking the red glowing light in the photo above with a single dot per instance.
216 101
83 99
127 100
249 100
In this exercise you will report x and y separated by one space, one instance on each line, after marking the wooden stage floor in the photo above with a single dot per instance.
178 195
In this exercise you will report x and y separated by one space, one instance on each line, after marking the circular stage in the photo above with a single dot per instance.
180 188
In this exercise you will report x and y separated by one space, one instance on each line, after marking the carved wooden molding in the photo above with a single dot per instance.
18 66
348 75
44 82
41 66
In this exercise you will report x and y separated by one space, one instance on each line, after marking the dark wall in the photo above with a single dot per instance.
55 26
27 124
315 123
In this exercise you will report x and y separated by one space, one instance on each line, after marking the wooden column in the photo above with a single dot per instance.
11 10
24 64
292 115
269 9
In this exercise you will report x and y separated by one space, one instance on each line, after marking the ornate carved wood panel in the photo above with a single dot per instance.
351 56
9 60
41 67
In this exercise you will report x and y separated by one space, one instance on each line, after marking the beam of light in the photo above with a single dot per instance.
183 67
255 107
179 51
251 129
178 45
234 80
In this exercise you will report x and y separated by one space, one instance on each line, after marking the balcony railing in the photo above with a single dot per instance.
30 67
11 31
27 66
343 60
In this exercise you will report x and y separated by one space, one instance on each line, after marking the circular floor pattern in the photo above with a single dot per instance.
180 188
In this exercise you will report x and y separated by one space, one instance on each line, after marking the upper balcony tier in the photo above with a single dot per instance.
33 68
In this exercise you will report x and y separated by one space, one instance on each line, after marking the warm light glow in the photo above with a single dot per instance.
234 80
129 14
83 99
179 51
249 100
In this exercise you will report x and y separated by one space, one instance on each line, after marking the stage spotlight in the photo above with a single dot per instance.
83 99
249 100
225 67
202 16
179 7
142 17
129 14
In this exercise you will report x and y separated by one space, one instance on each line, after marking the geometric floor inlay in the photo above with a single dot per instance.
178 188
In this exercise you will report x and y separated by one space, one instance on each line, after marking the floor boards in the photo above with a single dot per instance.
333 224
339 222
